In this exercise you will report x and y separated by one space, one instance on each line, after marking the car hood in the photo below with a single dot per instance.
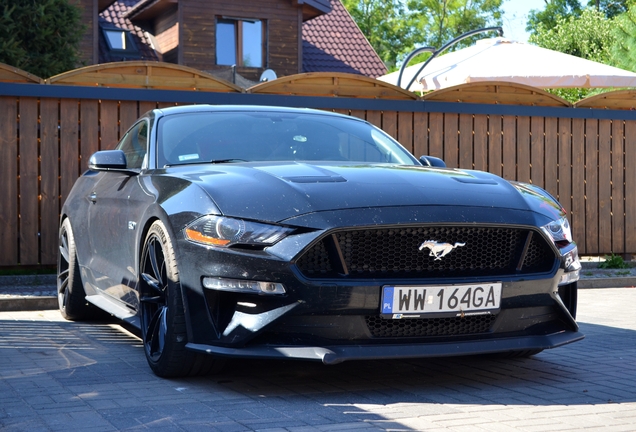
278 191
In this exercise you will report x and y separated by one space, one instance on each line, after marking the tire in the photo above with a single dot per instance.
71 297
161 311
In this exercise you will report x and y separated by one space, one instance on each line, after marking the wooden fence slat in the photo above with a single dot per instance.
480 142
405 130
436 135
29 172
550 160
70 167
89 130
451 140
509 148
49 185
630 181
578 184
537 151
389 123
128 113
108 124
495 143
375 118
465 141
9 180
420 134
565 165
604 186
361 114
618 187
523 149
145 106
591 186
166 104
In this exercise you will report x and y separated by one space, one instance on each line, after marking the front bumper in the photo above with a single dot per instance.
328 319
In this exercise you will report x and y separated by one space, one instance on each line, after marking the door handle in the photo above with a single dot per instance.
93 197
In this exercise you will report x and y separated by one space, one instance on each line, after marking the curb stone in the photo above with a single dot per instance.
28 293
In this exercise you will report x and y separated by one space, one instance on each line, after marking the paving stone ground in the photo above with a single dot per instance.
60 376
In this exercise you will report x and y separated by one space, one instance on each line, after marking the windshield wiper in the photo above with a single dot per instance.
213 161
218 161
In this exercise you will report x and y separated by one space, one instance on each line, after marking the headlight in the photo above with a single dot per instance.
223 231
558 230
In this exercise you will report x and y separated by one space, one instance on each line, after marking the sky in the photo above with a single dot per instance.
516 16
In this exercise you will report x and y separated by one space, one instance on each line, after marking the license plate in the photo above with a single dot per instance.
459 300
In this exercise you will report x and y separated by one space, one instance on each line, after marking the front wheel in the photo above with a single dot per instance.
163 321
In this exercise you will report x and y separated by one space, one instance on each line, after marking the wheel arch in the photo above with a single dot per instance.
140 246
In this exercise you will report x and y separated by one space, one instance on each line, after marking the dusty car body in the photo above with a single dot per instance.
230 231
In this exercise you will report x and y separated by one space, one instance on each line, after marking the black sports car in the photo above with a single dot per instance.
265 232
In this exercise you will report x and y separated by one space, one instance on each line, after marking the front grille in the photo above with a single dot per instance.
395 253
420 327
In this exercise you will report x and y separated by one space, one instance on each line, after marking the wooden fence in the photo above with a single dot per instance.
583 156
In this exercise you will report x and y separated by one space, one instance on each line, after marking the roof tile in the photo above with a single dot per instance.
112 17
334 43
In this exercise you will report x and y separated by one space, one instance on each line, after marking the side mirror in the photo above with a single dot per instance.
109 160
432 161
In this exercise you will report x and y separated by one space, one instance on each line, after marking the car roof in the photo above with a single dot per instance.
245 108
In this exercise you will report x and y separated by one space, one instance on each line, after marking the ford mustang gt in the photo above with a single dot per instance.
267 232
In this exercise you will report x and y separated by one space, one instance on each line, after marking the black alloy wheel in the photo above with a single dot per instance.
163 322
71 297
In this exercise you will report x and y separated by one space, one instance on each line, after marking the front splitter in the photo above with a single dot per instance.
335 354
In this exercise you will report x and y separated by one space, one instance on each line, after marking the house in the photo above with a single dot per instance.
232 40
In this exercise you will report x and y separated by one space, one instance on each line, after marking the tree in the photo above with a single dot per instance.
623 50
395 27
440 21
40 36
555 9
385 24
588 36
611 8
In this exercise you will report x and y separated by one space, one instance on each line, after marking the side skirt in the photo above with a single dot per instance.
115 308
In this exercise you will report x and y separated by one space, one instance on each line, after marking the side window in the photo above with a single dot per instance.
135 145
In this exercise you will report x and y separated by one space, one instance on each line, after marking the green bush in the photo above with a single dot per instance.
40 36
613 262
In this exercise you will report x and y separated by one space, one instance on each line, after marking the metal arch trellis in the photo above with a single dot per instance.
436 52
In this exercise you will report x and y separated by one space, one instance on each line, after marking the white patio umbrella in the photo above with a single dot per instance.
499 59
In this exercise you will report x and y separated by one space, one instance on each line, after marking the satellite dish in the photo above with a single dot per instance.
268 75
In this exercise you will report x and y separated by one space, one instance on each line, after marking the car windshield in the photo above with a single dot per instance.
226 137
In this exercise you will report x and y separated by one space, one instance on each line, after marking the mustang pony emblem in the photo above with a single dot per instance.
438 250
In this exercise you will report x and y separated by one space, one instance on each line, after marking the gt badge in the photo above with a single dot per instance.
439 250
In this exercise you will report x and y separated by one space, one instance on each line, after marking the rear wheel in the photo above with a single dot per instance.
163 323
71 297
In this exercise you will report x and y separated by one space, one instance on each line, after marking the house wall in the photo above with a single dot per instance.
166 31
198 33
